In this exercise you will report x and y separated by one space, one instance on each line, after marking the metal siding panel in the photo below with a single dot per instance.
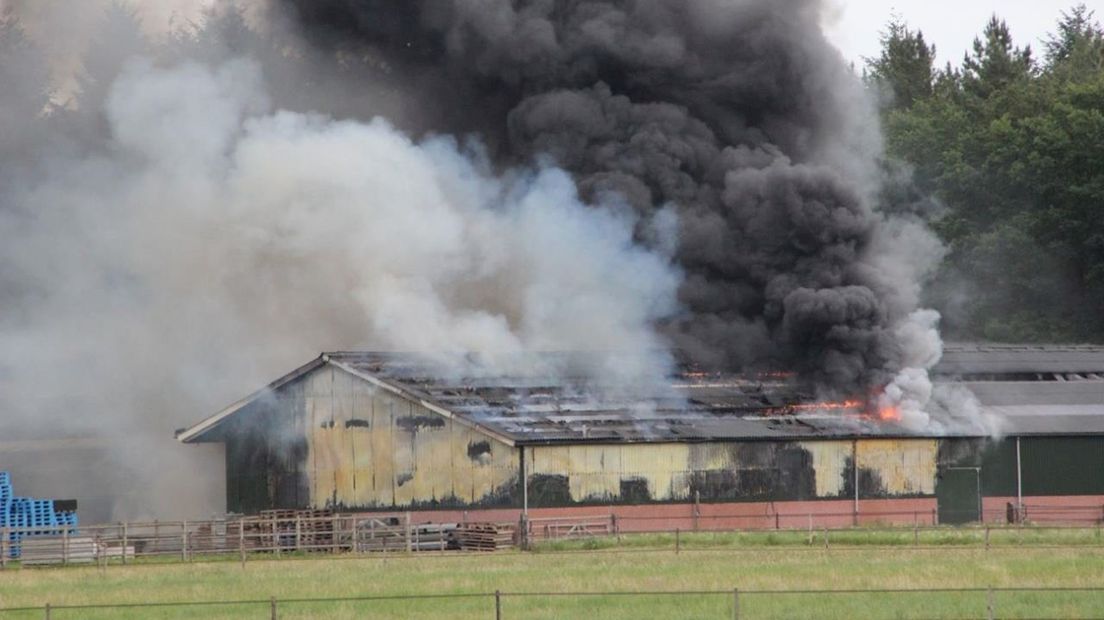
830 466
897 466
319 407
363 399
1062 465
344 463
383 470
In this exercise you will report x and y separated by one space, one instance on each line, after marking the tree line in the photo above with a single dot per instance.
1003 155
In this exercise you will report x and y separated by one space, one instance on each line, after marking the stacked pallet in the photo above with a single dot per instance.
32 517
484 536
287 530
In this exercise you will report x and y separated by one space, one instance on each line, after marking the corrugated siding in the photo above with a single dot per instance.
897 466
730 471
368 448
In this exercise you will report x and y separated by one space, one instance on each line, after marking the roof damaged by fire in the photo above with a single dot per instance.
1030 389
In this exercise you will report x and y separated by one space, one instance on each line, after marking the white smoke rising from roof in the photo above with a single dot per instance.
220 242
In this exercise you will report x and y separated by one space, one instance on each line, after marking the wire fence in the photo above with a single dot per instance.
911 604
312 533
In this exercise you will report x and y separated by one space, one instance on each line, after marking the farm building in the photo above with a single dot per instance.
369 431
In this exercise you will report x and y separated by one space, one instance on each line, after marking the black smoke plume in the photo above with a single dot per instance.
736 116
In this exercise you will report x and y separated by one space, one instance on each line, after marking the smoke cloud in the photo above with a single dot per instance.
215 203
737 117
217 239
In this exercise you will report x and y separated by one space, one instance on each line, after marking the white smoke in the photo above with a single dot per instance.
219 243
922 406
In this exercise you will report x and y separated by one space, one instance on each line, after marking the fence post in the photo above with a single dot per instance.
498 605
825 536
736 604
65 547
678 541
916 534
776 523
272 601
409 542
241 541
5 538
126 538
47 611
986 537
184 540
299 532
989 611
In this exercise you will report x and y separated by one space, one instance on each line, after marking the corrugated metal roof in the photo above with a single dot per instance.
700 406
996 359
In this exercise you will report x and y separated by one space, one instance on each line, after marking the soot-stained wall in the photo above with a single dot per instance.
331 439
730 471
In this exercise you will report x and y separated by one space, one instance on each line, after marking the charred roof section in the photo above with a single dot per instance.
1036 389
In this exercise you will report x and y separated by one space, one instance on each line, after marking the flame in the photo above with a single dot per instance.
828 405
889 413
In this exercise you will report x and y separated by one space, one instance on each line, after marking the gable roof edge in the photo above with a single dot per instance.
189 435
415 398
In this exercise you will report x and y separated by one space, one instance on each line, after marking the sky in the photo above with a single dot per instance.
854 25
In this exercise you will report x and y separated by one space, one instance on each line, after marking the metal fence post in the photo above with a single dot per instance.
678 541
5 538
47 611
498 605
736 604
65 547
125 540
409 541
986 537
184 540
273 602
241 541
989 611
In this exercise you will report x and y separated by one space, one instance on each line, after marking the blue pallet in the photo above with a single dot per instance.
32 517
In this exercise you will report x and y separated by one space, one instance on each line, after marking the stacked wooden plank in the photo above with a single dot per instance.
484 536
288 530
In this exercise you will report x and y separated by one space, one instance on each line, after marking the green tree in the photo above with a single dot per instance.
25 94
1077 34
995 62
903 72
117 39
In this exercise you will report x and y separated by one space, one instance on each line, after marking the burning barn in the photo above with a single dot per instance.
371 431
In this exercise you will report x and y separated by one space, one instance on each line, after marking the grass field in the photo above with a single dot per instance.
780 561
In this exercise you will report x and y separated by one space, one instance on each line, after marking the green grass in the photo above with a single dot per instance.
857 537
761 561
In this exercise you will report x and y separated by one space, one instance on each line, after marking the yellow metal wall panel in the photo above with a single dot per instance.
322 457
830 459
903 466
367 447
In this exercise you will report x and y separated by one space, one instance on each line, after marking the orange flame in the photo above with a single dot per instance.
828 405
889 413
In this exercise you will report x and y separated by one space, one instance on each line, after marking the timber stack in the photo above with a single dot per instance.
485 536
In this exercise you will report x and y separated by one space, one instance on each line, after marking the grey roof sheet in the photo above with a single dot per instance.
700 406
696 406
967 359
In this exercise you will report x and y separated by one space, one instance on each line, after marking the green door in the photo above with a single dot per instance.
958 495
